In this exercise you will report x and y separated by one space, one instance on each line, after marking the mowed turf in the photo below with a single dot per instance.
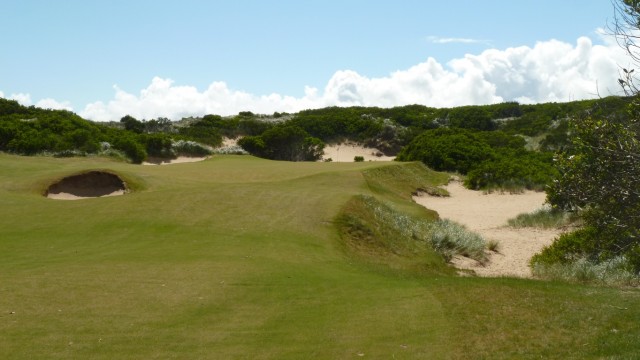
239 258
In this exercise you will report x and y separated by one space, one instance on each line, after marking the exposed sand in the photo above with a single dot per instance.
69 196
178 160
229 142
346 153
487 214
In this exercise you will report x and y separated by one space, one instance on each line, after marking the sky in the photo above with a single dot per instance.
155 58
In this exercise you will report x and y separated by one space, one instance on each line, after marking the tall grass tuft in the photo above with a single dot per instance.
614 272
450 238
545 217
493 245
446 237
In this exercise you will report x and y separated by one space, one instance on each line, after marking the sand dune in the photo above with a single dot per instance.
487 215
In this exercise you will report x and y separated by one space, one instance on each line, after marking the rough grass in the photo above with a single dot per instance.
237 257
376 231
545 217
614 272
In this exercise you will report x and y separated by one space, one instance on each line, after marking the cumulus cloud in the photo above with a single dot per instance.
24 99
549 71
450 40
164 99
49 103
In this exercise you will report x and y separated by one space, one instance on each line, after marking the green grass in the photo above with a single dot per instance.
241 258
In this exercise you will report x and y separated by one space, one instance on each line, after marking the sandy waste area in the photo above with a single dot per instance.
346 153
487 214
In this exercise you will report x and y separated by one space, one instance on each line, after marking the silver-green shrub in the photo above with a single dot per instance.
190 148
615 271
446 237
230 150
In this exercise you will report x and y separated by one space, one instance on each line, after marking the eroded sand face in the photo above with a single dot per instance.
346 153
487 214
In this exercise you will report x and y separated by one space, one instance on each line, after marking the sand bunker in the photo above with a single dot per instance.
487 214
87 185
346 153
178 160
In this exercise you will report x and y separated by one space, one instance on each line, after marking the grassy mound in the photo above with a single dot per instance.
238 257
379 233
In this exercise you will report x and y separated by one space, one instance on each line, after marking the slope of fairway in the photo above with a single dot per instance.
238 257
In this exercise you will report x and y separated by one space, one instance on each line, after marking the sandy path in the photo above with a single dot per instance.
487 214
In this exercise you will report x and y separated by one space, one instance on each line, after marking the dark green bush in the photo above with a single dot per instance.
204 131
132 148
158 145
471 117
569 247
490 159
445 149
284 142
132 124
513 171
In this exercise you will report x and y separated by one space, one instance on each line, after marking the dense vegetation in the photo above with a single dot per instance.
301 136
598 179
284 142
505 145
31 130
490 159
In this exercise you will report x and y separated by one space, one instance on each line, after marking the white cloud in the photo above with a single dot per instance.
452 40
23 99
163 99
49 103
549 71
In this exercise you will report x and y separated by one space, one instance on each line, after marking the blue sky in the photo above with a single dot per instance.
72 53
